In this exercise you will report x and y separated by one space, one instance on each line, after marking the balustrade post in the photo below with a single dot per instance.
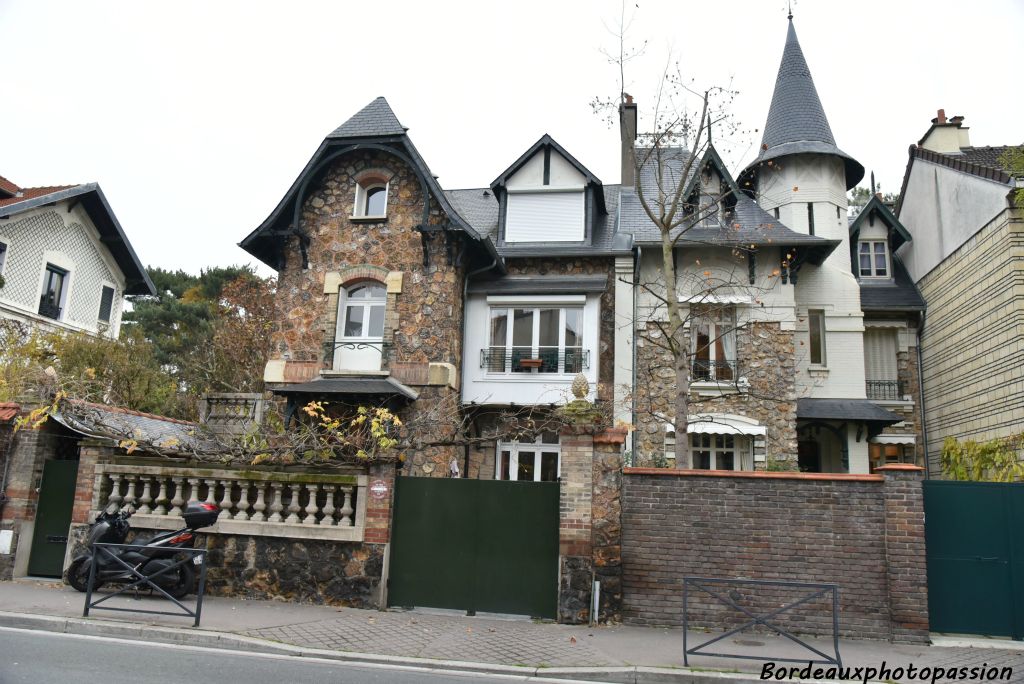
346 508
146 499
276 506
193 489
211 492
161 498
225 502
293 506
243 501
311 507
129 495
260 504
115 490
328 510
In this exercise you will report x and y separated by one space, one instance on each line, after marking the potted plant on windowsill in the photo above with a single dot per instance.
531 363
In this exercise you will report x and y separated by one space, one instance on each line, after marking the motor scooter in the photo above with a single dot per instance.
159 552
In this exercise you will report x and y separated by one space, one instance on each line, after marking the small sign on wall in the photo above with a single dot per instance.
378 489
6 539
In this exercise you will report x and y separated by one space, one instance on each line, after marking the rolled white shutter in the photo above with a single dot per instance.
544 217
880 354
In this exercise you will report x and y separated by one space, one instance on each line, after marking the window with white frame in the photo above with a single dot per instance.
362 312
873 259
542 339
54 292
537 460
713 343
106 304
371 199
816 334
715 452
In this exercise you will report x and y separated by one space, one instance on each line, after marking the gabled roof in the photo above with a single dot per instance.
137 280
375 125
712 158
796 120
875 208
546 141
372 121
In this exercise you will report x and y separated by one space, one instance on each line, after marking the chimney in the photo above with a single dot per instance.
947 136
627 134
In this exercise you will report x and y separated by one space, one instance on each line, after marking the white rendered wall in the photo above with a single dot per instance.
943 208
67 240
531 174
624 341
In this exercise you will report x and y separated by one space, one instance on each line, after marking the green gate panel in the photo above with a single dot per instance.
53 518
475 545
975 553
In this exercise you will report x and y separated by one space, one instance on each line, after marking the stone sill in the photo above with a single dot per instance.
340 373
715 389
818 371
368 219
255 529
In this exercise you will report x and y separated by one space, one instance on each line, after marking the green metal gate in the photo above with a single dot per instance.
475 545
975 537
53 518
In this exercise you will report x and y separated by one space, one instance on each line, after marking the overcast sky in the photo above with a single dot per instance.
196 116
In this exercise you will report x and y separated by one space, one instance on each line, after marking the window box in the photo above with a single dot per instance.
531 363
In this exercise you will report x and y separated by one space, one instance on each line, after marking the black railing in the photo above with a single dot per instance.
534 360
705 370
731 597
113 551
49 309
885 390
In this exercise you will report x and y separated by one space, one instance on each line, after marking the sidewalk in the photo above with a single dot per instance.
449 640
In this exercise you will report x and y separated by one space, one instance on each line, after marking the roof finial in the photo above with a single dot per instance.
709 126
790 5
872 183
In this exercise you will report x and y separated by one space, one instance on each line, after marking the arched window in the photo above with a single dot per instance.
371 199
362 311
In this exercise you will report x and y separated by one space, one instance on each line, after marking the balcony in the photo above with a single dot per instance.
706 370
49 309
570 360
885 390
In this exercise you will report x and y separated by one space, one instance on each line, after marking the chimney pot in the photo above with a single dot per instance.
956 119
629 98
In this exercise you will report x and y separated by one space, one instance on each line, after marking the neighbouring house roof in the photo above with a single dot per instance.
374 125
540 284
860 410
982 162
349 385
743 223
8 410
796 120
479 206
114 423
898 294
137 280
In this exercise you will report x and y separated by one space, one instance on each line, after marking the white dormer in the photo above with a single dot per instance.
545 195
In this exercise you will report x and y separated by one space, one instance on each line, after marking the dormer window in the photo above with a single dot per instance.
550 216
873 258
371 199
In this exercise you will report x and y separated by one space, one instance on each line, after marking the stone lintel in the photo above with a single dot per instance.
393 281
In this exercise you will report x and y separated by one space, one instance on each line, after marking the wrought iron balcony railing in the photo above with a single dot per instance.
48 309
891 390
705 370
534 360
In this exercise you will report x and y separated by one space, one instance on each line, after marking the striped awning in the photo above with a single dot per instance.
894 439
719 425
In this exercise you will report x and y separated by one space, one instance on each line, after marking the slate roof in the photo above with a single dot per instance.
137 280
374 120
796 120
985 156
844 409
349 385
116 423
744 223
898 294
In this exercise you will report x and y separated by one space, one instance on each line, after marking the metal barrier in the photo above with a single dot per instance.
110 549
816 590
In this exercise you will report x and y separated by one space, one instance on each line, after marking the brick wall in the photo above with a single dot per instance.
862 532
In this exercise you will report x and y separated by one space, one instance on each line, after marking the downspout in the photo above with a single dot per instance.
462 337
920 384
636 278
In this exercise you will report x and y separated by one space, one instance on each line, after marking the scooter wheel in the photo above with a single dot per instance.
78 576
184 584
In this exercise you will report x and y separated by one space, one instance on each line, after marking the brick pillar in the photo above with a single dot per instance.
89 454
378 509
574 528
606 511
906 567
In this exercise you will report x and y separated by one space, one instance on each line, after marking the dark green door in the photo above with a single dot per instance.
475 545
53 518
975 537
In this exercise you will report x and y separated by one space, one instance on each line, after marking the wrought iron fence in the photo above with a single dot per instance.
810 593
891 390
533 359
707 370
142 581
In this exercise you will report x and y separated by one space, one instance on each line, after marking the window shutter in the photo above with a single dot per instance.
545 217
106 303
880 354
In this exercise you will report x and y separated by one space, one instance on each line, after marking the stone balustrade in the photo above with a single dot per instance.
269 504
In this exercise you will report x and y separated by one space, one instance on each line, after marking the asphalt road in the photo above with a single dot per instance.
30 657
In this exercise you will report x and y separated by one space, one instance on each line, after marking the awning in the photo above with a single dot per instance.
859 410
349 385
719 425
894 439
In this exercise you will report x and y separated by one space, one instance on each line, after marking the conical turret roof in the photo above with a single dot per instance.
796 120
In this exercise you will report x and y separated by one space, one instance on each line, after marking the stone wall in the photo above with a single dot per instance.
767 359
862 532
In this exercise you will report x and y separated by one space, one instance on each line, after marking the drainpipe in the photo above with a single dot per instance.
462 336
920 384
636 277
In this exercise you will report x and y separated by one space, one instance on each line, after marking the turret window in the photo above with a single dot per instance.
873 259
371 199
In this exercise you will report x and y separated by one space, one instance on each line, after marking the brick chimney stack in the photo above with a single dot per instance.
627 134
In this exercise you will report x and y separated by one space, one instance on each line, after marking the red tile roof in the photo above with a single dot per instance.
23 194
8 411
8 187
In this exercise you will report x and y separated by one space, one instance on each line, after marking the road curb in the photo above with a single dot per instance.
237 642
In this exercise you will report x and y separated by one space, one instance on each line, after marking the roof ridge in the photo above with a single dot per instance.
958 164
